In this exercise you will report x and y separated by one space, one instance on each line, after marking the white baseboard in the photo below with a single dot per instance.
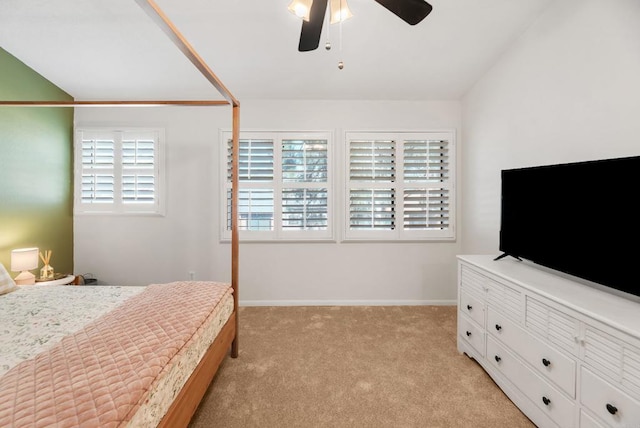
347 302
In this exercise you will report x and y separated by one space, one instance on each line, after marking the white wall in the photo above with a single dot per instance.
141 250
567 90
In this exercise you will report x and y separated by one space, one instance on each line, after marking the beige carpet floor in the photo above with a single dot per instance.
353 367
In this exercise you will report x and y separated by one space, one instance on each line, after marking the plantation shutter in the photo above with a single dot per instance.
372 167
256 175
256 160
255 207
98 170
284 186
372 209
304 177
399 185
426 176
119 171
304 161
138 169
372 161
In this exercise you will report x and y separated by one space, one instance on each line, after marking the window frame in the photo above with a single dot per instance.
117 207
398 233
277 185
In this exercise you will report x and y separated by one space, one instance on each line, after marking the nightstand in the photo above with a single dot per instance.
62 281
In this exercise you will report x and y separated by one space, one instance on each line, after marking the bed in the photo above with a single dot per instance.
185 394
111 356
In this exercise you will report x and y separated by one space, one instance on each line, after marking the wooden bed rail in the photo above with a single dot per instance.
161 103
170 30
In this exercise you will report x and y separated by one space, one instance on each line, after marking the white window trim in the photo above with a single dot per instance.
277 234
118 208
398 234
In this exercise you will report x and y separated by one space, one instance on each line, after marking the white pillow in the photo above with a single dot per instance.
7 284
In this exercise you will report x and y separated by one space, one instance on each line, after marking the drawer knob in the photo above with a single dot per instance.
546 362
498 327
497 359
546 401
469 307
612 409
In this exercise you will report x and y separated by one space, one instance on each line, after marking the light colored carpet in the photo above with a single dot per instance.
353 367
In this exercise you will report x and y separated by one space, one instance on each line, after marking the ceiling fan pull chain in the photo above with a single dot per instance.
340 63
327 45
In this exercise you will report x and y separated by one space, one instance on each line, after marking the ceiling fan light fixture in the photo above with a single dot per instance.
339 11
410 11
301 8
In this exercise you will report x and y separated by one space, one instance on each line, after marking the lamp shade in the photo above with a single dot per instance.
24 259
339 11
301 8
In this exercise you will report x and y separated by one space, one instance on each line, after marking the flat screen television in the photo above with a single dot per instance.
582 219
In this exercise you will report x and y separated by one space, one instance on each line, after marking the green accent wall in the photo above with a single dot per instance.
36 167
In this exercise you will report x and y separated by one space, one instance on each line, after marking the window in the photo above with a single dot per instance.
399 186
118 171
284 185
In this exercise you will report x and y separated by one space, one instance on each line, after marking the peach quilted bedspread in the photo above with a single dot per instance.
99 376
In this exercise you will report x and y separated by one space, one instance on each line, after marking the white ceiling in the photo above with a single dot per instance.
96 49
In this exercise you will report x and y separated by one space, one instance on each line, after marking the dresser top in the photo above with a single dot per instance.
593 300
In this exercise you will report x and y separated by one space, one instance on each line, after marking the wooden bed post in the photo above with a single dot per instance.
235 245
159 17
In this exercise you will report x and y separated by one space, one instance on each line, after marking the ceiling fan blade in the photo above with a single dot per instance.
311 30
410 11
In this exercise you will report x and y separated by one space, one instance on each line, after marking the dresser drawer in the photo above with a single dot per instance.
472 307
470 332
472 281
552 402
612 358
587 421
610 404
551 363
506 299
552 325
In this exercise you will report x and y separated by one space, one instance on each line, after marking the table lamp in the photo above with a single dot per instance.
24 260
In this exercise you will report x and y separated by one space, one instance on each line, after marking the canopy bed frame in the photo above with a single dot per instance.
189 397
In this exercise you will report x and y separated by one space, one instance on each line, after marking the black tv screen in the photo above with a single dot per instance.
578 218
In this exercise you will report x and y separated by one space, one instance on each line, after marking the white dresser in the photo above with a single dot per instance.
567 354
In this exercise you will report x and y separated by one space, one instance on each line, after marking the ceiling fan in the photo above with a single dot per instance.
313 13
